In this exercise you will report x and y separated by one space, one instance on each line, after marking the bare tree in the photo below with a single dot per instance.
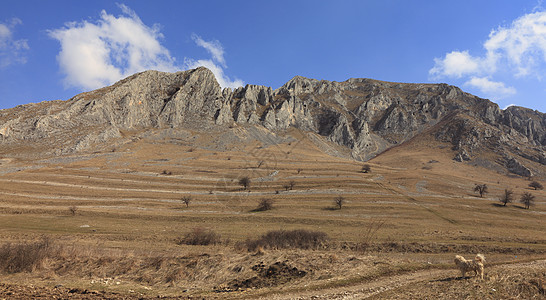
186 200
536 185
286 187
245 182
339 201
527 199
481 189
507 197
366 168
291 184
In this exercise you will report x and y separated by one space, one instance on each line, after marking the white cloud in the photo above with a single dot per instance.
519 48
491 88
455 64
217 52
522 45
508 106
213 47
97 54
218 72
12 51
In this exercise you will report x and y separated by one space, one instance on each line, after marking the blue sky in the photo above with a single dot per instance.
56 49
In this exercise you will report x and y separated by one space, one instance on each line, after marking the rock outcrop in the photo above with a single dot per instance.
367 116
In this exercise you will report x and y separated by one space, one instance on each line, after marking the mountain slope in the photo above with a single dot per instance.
366 116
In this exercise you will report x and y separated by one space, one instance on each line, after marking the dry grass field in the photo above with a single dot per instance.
114 225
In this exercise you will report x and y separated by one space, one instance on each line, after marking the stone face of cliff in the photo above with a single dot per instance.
367 116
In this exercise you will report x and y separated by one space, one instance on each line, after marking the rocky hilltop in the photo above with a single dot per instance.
366 116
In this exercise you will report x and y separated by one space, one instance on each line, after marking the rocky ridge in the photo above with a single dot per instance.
367 116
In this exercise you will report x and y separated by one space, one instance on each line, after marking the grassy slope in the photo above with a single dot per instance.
128 211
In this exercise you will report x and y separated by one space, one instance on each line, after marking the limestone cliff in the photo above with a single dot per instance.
367 116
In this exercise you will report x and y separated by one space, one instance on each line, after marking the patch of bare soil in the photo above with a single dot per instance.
514 281
267 276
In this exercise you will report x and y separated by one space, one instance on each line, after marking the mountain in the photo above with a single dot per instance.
365 116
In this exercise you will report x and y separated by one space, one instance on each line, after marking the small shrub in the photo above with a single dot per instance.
245 182
73 210
536 185
339 201
165 172
265 204
287 239
200 236
186 200
366 168
25 257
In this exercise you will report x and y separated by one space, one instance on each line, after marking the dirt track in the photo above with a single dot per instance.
438 284
406 286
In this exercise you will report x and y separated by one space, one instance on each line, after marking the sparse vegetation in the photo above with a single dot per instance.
186 200
200 236
166 172
481 189
536 185
339 201
370 234
264 204
283 239
245 182
73 210
527 199
25 257
366 168
507 197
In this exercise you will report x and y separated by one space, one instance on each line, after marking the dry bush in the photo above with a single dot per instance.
370 234
286 239
186 200
73 210
339 201
245 182
200 236
26 257
265 204
536 185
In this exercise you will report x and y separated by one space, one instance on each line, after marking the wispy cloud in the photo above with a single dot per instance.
518 49
12 51
497 89
216 64
97 53
213 47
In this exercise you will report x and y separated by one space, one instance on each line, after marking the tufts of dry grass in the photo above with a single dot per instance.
26 257
200 236
292 239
